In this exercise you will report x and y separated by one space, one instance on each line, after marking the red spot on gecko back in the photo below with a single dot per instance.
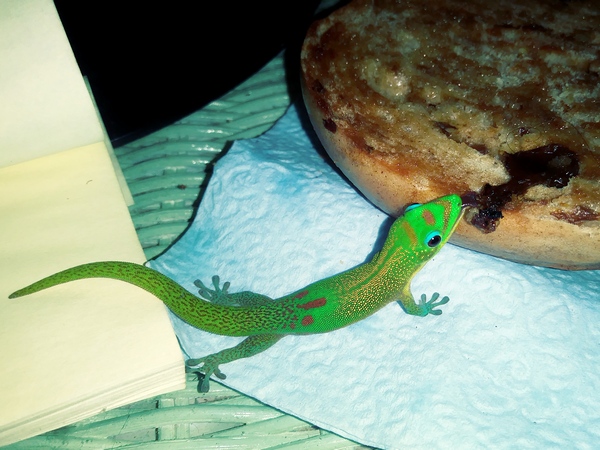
313 303
307 320
301 294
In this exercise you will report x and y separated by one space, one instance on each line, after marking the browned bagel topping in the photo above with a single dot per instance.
551 165
577 216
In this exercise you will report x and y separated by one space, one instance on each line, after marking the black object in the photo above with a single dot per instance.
150 64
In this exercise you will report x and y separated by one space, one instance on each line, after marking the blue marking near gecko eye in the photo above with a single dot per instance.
413 206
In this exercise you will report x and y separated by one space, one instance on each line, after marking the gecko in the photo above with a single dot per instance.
323 306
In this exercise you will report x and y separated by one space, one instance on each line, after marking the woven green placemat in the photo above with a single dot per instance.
167 172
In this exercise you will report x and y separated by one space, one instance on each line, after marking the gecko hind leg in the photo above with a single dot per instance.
250 346
220 296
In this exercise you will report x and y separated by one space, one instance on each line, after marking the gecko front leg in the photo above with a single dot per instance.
250 346
424 306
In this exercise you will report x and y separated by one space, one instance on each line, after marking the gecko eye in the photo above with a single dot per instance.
413 206
433 239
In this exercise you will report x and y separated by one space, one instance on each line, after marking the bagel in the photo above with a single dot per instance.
498 102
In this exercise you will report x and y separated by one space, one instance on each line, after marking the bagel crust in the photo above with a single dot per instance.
498 102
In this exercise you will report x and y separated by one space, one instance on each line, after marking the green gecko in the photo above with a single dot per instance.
323 306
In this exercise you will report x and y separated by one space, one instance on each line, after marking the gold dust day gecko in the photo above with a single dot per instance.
323 306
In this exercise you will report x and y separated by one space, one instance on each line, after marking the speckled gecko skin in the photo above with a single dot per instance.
320 307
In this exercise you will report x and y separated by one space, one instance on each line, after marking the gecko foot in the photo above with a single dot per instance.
221 296
210 366
218 295
427 307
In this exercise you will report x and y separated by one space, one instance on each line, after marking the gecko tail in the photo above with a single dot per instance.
211 317
106 269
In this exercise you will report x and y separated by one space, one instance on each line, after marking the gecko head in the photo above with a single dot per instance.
423 229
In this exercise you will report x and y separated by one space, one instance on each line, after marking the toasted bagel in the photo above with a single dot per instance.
498 102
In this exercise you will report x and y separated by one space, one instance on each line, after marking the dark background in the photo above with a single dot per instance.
152 63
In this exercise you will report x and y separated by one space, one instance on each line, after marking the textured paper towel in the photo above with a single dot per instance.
514 360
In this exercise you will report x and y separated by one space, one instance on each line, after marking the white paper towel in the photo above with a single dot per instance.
513 361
